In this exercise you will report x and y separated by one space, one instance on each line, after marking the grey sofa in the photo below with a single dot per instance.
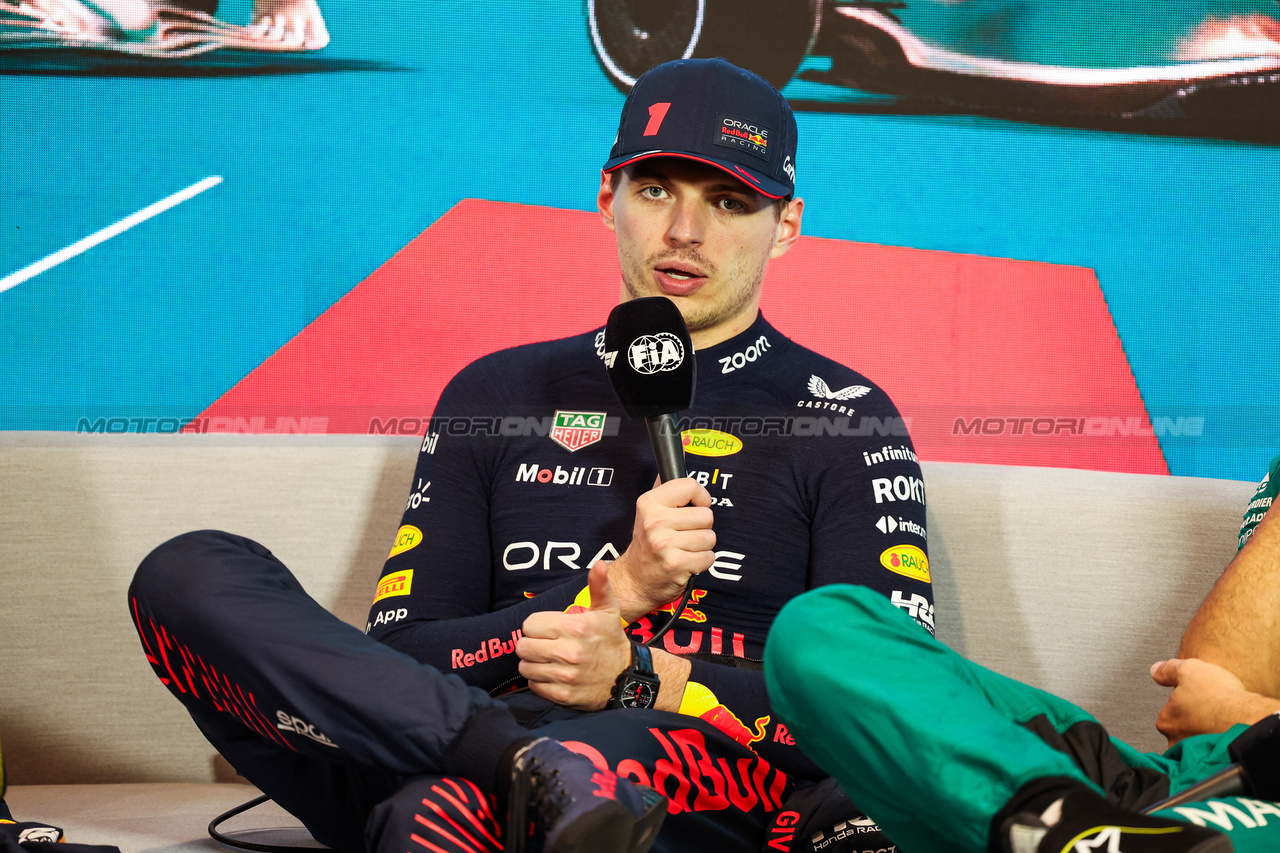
1074 581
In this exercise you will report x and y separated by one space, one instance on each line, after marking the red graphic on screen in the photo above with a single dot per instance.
991 360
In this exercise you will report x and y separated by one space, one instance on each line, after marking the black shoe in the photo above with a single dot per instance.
579 808
1084 822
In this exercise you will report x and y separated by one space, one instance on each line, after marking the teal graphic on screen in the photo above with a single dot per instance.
184 239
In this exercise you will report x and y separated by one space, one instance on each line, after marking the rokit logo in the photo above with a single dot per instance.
715 478
525 555
900 488
917 607
739 360
297 725
655 353
576 476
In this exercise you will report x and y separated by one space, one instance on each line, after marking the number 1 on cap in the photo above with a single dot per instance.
657 112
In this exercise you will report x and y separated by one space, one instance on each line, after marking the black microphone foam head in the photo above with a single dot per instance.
649 356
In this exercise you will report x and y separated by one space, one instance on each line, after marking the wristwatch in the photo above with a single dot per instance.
637 686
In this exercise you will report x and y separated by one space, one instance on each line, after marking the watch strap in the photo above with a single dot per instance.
642 660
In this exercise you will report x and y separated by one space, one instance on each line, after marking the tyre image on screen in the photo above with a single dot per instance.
770 37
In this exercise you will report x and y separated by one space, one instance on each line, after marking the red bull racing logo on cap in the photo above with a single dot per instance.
735 132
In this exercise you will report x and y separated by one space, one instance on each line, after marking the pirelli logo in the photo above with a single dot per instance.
395 584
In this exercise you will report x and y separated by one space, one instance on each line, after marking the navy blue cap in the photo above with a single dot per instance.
715 112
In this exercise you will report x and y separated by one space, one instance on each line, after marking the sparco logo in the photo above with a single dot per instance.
297 725
654 353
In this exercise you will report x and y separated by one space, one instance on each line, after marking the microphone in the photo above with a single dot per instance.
1255 770
649 356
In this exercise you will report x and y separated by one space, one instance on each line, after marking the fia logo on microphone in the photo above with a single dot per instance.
654 353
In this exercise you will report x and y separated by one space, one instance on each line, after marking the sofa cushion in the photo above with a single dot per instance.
154 817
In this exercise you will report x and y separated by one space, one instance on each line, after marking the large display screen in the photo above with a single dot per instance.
1047 229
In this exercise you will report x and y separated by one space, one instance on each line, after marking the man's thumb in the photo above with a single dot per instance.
1165 672
601 590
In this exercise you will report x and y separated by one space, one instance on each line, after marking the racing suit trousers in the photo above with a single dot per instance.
329 723
932 745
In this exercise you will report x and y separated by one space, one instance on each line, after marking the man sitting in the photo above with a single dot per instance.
948 756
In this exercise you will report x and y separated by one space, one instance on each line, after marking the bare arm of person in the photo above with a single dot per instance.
1206 698
1238 625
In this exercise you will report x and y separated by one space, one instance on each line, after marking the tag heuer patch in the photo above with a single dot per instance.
575 430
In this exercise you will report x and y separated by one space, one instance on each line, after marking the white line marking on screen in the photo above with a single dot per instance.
16 278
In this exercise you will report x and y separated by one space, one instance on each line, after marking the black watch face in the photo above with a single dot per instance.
637 694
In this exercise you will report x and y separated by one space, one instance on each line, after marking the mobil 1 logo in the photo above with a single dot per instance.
578 475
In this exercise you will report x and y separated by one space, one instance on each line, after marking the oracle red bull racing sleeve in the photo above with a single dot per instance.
529 473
